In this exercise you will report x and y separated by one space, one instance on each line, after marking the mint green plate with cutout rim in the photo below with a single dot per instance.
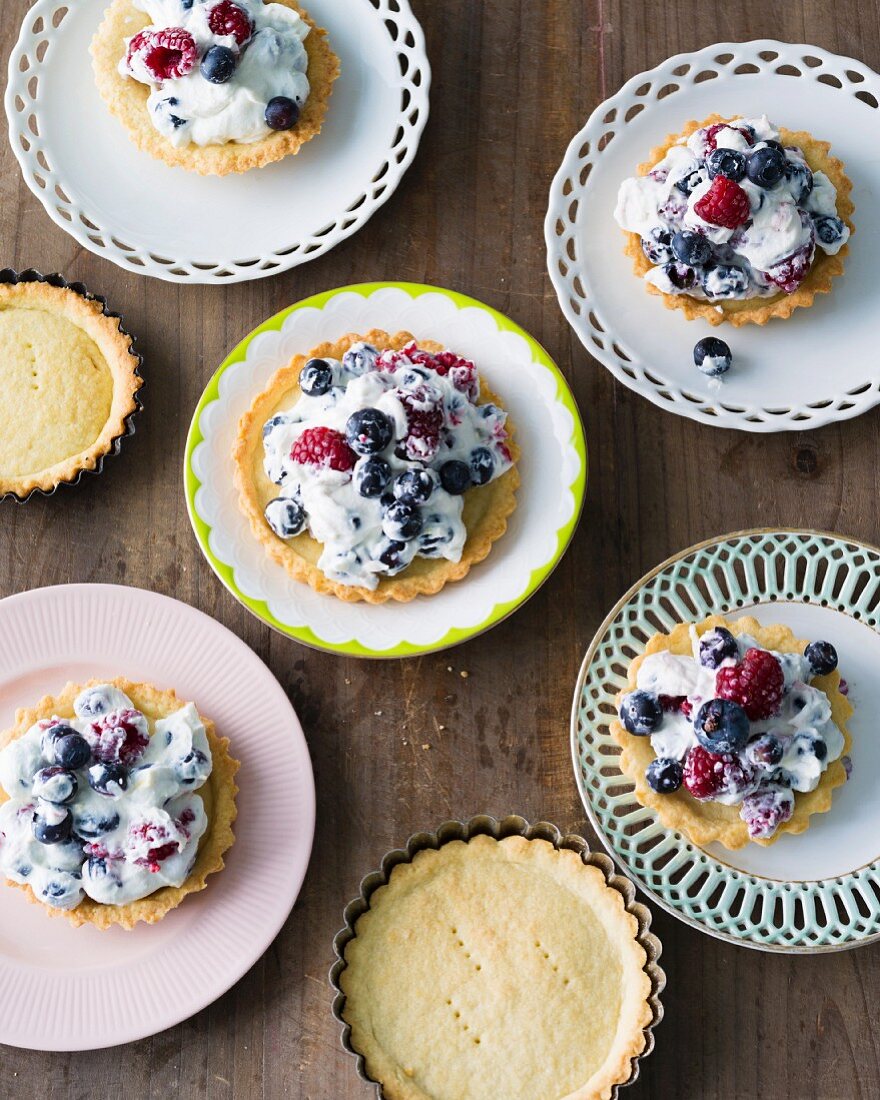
778 575
309 634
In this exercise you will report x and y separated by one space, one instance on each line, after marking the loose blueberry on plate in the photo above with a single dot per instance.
712 356
368 431
371 476
482 465
286 516
316 378
726 162
402 521
103 778
658 246
664 775
455 477
691 248
722 726
71 750
415 485
641 713
829 230
218 64
766 167
282 113
764 751
55 784
54 830
822 657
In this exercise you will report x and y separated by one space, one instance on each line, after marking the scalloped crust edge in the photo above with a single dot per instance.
704 822
499 495
216 841
757 311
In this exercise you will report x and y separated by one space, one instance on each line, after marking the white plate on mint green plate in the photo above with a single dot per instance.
67 988
553 470
147 217
817 891
781 378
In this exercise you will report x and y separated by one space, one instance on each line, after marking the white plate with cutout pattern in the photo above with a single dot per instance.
147 217
810 369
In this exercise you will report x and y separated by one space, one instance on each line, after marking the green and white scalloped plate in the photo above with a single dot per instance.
815 892
553 470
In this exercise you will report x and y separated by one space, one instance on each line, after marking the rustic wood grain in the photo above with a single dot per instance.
513 80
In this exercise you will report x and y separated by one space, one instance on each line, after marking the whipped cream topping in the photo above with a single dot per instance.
190 109
809 740
434 420
771 252
128 818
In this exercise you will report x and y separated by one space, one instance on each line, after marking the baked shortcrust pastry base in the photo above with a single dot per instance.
496 969
486 507
217 794
127 100
704 822
68 377
757 311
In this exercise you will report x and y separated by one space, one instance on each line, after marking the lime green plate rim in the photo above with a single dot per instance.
455 635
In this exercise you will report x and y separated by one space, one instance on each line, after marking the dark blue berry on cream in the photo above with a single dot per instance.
371 476
316 377
691 248
822 657
71 750
664 775
218 64
402 521
641 713
766 166
286 517
722 726
368 431
482 465
282 113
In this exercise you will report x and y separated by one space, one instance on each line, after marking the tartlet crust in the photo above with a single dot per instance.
757 311
126 98
116 348
218 795
486 507
704 822
452 966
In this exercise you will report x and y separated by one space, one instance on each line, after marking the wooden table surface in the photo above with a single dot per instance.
404 745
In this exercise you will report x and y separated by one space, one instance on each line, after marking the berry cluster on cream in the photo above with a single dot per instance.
737 724
375 457
731 213
220 70
100 804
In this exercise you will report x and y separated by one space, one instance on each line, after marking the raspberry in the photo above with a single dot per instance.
725 204
462 372
791 272
157 840
119 737
423 426
756 683
323 447
165 54
707 775
764 811
227 18
713 131
676 703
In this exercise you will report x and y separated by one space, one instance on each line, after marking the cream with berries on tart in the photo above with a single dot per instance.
736 220
733 731
116 801
214 86
377 467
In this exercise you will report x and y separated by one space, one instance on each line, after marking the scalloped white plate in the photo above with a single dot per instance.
147 217
811 369
552 468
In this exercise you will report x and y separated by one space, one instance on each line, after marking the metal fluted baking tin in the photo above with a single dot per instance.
8 276
508 826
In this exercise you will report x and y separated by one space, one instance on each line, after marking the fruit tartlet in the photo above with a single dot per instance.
214 86
736 220
117 801
733 731
378 467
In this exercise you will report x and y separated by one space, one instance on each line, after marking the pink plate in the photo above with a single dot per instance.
67 988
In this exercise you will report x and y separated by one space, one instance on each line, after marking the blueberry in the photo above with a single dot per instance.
371 476
316 377
664 775
165 106
192 766
820 749
272 424
822 657
55 784
368 431
657 247
51 832
92 703
71 750
765 751
103 778
24 869
641 713
360 358
829 230
800 180
98 867
766 167
390 555
725 281
482 465
218 65
281 113
712 356
402 521
692 180
681 276
286 516
807 745
455 477
51 735
415 485
722 726
691 248
90 826
716 646
726 162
